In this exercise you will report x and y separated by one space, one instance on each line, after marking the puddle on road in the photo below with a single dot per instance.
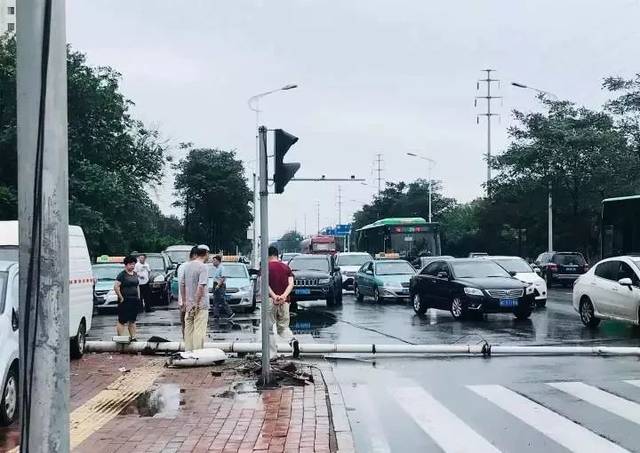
163 401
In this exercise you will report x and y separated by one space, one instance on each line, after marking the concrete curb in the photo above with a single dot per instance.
340 419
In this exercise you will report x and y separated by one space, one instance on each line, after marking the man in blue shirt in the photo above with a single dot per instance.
220 307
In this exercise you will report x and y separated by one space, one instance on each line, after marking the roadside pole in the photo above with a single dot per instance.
43 220
265 308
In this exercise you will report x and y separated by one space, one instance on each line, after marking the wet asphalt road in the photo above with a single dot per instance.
463 404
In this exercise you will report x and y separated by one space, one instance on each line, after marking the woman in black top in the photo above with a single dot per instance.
128 291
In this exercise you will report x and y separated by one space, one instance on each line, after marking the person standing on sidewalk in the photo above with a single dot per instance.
128 292
181 307
220 307
280 287
143 270
195 299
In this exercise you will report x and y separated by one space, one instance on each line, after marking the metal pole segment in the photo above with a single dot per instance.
44 225
265 308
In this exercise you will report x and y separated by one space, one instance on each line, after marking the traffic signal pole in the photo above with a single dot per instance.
43 224
265 308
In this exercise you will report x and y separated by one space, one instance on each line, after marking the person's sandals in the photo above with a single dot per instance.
296 348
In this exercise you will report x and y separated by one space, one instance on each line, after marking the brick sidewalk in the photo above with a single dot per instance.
217 413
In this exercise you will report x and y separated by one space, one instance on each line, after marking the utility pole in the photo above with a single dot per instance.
489 97
379 172
267 328
43 215
305 224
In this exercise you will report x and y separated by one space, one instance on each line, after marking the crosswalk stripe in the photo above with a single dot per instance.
564 431
375 430
442 425
605 400
635 382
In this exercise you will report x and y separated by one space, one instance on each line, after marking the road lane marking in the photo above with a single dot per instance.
377 440
442 425
635 382
605 400
562 430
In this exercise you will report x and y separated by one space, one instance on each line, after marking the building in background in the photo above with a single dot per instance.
7 16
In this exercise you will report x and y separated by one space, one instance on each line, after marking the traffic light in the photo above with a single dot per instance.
283 172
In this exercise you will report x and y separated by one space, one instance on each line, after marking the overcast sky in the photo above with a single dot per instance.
374 77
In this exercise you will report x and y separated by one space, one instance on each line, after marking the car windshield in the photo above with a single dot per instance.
106 272
514 265
286 257
309 264
9 253
178 256
231 271
353 260
478 269
570 260
156 262
3 288
395 268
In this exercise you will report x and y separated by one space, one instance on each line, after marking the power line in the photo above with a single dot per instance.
488 114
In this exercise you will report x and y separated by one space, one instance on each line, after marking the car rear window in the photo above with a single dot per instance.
570 260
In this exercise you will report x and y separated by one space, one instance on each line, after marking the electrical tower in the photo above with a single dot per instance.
378 170
489 97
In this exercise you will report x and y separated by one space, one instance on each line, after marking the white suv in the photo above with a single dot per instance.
8 342
610 290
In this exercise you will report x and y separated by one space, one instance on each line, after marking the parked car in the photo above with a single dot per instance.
422 261
240 291
286 257
350 263
104 296
80 282
523 271
478 254
466 286
384 280
9 346
610 290
316 277
178 254
160 277
561 267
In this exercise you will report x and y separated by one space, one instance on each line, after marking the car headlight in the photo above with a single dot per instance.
389 285
158 279
473 292
246 289
324 281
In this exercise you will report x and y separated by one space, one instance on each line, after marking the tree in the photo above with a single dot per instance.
290 241
211 188
113 158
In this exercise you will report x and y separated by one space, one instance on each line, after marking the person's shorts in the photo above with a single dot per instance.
128 310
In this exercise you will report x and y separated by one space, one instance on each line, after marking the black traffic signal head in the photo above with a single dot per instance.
283 172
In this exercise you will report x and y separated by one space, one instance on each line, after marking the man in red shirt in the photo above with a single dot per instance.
280 287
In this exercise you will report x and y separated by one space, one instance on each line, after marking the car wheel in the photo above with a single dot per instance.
339 296
376 295
78 342
541 303
523 313
252 308
418 306
548 279
587 313
458 310
358 294
331 299
9 401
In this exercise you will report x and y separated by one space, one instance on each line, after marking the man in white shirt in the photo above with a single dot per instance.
181 305
142 270
194 284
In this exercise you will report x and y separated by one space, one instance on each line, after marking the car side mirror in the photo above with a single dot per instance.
626 282
443 275
15 322
254 277
254 272
512 273
368 272
336 269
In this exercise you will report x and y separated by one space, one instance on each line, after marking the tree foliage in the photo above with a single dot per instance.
211 188
290 241
113 158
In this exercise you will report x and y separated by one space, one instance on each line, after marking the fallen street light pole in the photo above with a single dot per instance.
43 224
265 308
482 349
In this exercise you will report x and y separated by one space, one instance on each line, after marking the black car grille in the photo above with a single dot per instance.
232 290
502 293
306 282
102 292
405 284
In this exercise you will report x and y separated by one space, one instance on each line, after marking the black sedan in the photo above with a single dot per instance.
468 286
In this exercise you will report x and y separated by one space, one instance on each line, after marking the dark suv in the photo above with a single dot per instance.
159 278
316 277
561 267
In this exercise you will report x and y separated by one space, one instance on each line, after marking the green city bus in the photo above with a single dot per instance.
620 231
409 237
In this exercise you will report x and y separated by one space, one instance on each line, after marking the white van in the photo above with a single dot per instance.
8 342
80 280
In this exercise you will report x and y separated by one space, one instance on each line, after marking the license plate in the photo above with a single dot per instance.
303 291
227 298
508 302
570 268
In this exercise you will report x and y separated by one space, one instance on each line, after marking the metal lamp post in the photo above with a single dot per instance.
431 164
254 104
550 185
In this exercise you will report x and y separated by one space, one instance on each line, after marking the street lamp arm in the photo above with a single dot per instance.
537 90
258 96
